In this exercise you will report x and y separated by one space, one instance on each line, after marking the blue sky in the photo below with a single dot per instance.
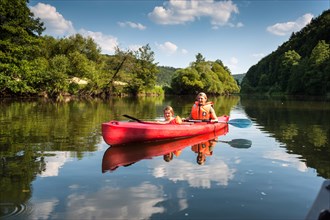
239 32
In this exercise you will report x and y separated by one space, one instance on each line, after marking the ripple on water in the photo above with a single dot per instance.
12 209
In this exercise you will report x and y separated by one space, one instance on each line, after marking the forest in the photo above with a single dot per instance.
35 65
300 66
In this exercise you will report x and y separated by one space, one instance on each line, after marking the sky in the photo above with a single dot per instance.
239 33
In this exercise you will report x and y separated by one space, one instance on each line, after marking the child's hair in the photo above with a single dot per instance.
169 108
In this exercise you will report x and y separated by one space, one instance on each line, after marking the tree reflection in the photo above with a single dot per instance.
303 126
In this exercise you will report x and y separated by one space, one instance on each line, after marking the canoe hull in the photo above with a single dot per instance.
126 154
115 132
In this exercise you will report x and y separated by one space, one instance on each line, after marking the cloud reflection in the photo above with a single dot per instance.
54 163
286 159
196 176
138 202
43 208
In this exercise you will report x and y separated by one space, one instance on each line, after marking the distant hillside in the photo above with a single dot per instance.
239 77
165 74
299 66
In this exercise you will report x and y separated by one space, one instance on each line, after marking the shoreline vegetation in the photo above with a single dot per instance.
32 65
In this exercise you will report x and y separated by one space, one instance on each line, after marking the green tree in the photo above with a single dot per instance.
186 81
144 71
320 54
208 76
58 81
289 61
299 66
199 58
19 41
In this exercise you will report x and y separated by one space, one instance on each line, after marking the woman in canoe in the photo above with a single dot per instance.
202 110
169 116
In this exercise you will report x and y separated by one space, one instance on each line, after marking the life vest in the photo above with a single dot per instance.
176 121
173 122
201 112
205 148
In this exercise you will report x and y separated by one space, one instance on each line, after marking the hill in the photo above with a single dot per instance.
239 77
299 66
165 74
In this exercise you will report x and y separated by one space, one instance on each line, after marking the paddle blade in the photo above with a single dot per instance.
240 143
240 122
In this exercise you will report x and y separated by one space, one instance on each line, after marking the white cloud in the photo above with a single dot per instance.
56 25
54 22
107 43
233 61
134 47
181 12
258 55
239 24
132 25
184 51
233 64
168 47
282 29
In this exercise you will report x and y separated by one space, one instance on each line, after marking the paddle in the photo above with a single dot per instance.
138 120
238 143
238 122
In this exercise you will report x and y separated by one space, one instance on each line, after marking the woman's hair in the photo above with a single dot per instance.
169 108
201 94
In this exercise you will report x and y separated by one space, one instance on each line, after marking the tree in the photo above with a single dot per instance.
207 76
186 81
316 76
144 70
299 66
19 41
320 53
199 58
289 61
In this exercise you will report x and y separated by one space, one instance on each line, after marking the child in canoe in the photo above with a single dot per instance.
169 116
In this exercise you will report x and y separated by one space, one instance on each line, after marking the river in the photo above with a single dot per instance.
52 156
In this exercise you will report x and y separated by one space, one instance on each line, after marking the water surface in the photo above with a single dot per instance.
52 156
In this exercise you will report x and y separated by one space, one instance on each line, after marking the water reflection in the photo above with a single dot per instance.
133 202
302 126
51 157
125 155
219 173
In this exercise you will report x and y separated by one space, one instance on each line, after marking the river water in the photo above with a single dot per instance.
56 165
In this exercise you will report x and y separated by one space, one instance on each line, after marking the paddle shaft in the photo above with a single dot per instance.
138 120
238 122
199 120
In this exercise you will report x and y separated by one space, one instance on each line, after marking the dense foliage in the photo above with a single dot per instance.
31 65
208 76
299 66
165 75
19 47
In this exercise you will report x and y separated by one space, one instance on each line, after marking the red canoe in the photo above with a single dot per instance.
127 154
116 132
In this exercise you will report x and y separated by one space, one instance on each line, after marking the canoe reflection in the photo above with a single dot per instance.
125 155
